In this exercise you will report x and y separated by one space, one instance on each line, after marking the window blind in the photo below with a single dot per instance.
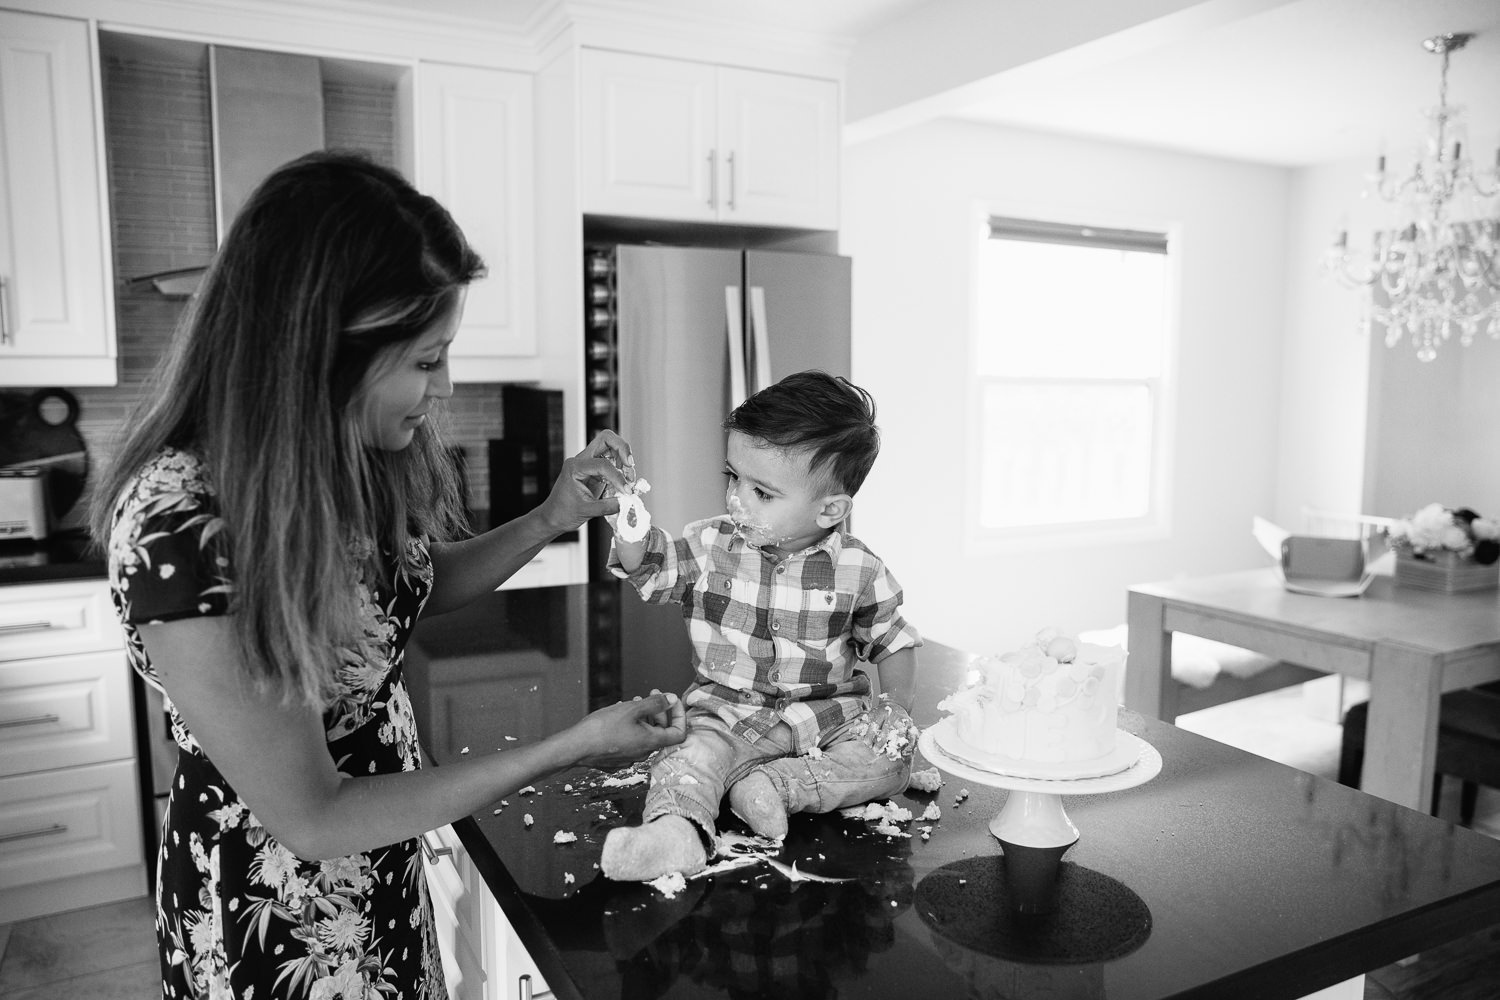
1034 231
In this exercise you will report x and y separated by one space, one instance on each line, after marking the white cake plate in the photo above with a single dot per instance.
1033 814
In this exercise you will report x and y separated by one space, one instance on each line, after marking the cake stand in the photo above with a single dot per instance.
1032 826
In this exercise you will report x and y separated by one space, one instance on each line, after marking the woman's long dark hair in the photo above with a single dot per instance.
332 269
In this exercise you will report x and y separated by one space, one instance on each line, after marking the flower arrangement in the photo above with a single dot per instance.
1436 530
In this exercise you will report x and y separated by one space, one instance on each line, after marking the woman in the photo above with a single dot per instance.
276 521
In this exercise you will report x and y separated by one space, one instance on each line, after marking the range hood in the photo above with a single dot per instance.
267 109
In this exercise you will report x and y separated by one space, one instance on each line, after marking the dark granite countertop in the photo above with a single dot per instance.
68 555
1226 876
62 556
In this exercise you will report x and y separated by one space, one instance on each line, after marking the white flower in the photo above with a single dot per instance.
200 932
341 871
345 984
1436 528
272 866
228 816
1428 526
296 889
344 931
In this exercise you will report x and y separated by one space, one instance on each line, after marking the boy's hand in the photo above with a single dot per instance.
631 525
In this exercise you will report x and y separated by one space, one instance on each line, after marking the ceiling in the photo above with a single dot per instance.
1306 82
819 17
1292 84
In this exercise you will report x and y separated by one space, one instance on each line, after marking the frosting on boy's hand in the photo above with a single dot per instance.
634 520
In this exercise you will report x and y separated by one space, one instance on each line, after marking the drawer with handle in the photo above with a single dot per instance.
57 618
60 711
66 823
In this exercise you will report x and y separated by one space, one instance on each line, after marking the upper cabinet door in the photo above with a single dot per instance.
56 304
780 140
474 154
649 140
675 139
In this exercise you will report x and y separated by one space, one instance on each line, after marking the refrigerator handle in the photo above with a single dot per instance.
760 334
737 393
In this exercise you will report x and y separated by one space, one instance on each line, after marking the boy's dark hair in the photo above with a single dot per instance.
826 415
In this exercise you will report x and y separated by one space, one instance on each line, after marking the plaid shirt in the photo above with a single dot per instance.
775 638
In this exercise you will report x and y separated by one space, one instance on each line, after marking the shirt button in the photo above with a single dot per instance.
776 626
728 584
781 569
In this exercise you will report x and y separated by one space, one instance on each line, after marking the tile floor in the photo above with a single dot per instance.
109 952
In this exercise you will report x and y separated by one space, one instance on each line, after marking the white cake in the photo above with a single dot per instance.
1053 701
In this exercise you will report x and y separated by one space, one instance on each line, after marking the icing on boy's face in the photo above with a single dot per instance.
773 500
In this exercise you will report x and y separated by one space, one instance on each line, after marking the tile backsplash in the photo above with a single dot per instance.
159 143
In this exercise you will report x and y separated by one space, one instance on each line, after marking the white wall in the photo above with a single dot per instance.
910 226
1326 366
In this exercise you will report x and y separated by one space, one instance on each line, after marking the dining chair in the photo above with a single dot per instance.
1468 744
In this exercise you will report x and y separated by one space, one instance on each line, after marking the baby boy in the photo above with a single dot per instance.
789 616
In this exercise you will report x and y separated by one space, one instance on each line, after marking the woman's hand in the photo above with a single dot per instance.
583 488
623 733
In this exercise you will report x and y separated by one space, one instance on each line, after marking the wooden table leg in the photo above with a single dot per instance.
1149 688
1401 730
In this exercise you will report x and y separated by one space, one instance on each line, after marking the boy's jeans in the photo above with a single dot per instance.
866 758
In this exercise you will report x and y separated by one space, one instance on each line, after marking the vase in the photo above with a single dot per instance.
1445 572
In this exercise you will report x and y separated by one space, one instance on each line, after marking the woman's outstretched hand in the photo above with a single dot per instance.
623 733
583 488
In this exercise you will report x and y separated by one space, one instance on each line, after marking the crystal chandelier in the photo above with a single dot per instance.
1439 269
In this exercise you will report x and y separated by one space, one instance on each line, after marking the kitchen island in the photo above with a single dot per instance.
1226 876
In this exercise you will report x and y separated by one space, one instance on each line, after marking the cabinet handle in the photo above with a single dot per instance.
433 853
54 828
713 178
4 312
525 990
730 158
36 720
9 627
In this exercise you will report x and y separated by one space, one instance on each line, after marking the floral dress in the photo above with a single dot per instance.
237 914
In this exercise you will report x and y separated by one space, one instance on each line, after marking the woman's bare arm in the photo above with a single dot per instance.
276 756
463 571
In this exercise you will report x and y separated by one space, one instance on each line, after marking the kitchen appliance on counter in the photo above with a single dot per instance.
676 337
23 503
43 462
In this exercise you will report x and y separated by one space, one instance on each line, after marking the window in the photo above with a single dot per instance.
1073 327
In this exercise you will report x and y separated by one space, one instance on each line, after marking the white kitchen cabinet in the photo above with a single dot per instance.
70 806
674 139
56 301
474 154
483 959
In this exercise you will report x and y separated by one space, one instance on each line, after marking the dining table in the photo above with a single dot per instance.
1225 875
1411 644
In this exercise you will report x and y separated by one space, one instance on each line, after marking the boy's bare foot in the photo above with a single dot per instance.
664 845
755 800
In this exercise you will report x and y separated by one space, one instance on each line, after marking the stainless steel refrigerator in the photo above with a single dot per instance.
678 336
